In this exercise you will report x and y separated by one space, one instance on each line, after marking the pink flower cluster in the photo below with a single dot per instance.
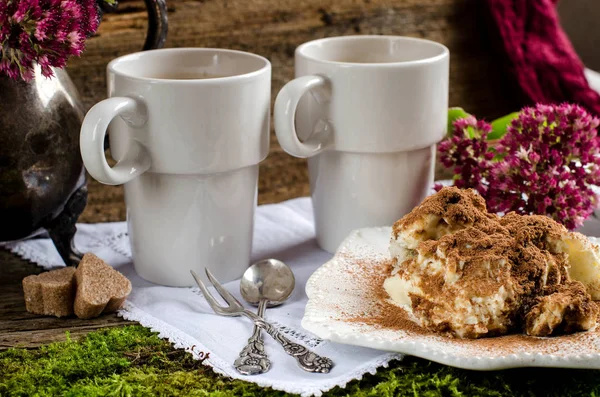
44 32
546 163
467 152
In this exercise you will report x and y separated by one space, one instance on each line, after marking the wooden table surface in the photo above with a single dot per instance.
272 28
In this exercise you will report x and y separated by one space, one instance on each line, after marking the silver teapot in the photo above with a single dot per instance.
43 186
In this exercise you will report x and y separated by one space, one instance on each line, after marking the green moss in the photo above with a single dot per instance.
132 361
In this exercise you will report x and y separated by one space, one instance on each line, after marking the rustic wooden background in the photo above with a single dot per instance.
273 28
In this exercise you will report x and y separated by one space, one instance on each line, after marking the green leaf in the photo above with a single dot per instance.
500 125
454 114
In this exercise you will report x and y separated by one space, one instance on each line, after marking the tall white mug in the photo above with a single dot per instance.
368 112
188 128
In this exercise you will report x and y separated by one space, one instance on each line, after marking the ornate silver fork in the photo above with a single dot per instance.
307 360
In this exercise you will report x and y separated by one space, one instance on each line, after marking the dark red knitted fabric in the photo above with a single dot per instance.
540 54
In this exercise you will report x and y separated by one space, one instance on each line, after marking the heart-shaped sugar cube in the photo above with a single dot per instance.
100 288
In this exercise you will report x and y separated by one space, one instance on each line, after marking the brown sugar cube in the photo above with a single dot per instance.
100 288
50 293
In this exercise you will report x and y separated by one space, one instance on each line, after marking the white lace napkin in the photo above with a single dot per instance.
284 231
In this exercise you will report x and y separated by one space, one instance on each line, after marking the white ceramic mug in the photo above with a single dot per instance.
368 112
188 128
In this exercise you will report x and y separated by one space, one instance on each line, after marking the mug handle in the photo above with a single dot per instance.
286 104
91 141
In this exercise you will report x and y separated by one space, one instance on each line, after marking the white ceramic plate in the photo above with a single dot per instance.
338 294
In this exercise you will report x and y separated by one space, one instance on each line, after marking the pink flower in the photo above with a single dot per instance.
45 66
546 163
556 176
44 32
467 152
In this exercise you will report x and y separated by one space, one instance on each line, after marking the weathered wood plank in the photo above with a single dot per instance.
23 329
19 320
33 339
274 28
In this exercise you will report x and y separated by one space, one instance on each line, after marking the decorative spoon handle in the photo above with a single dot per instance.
253 359
307 360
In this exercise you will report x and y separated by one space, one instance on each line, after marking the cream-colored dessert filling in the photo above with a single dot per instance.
398 290
466 313
431 227
584 261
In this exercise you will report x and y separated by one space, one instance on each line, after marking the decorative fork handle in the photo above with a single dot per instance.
253 360
307 360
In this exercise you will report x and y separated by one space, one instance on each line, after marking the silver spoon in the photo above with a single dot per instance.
271 282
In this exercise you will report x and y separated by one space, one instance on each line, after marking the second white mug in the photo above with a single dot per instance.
368 112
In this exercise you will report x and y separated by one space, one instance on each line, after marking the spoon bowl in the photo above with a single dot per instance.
269 279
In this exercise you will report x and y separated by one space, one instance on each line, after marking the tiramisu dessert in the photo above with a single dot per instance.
464 272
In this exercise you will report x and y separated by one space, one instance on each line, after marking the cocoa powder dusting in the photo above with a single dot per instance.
482 254
538 230
455 206
384 314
